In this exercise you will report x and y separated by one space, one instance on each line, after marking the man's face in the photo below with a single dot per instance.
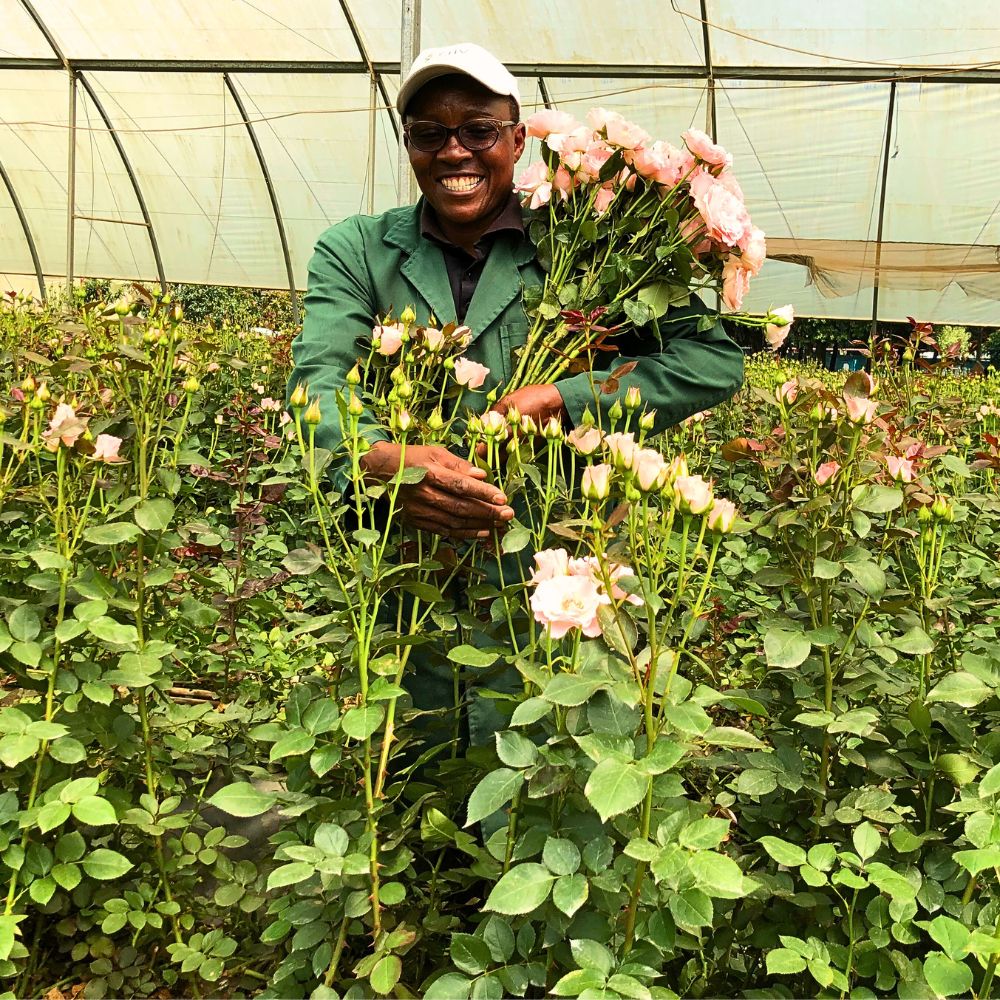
467 188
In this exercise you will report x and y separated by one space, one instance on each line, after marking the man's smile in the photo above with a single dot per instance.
461 183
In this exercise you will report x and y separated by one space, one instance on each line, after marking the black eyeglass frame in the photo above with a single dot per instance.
457 132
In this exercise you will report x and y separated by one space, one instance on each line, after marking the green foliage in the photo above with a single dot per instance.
198 794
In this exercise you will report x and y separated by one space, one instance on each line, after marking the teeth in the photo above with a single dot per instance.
460 183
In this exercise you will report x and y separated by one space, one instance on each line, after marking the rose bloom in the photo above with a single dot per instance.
106 448
542 124
692 495
267 403
603 199
622 447
860 410
677 469
494 424
433 339
549 563
589 566
735 284
692 231
563 182
598 153
722 516
586 440
787 392
65 426
390 339
595 483
775 333
567 602
649 468
471 374
701 145
755 251
826 472
535 184
901 469
726 218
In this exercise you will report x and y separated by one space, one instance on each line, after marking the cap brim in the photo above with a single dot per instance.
424 76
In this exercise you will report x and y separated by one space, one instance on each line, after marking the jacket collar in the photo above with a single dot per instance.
425 270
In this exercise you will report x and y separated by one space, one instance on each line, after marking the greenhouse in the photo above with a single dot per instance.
499 501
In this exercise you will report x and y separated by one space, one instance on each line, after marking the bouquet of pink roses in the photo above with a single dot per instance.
624 228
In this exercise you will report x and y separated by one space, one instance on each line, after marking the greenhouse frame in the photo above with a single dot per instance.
212 142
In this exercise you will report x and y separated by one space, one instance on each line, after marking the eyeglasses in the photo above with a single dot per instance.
477 135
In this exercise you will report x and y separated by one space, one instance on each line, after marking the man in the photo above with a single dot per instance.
462 253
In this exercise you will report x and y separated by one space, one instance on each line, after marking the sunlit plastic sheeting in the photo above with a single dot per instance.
664 108
952 305
542 31
33 147
780 283
24 283
288 30
853 33
944 171
200 177
20 37
807 157
314 132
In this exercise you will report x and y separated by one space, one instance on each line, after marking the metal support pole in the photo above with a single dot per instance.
881 203
543 91
372 129
262 163
147 221
409 49
711 123
71 183
23 219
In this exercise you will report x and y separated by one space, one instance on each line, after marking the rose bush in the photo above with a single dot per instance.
749 748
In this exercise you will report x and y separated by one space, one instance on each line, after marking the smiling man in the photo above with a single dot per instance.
462 253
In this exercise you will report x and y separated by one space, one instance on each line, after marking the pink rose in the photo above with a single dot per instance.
826 472
544 123
726 218
548 564
471 374
722 516
106 448
787 392
595 484
567 602
701 145
901 469
860 410
735 283
590 567
621 446
389 339
597 154
494 424
692 231
535 183
586 440
603 199
677 469
754 252
692 495
433 339
780 322
563 182
649 468
65 426
267 403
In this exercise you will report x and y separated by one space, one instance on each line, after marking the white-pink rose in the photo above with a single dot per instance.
649 468
388 339
787 392
562 603
702 146
535 184
433 339
603 199
595 483
550 563
692 495
469 373
106 448
901 469
65 426
860 410
780 322
722 516
726 218
755 251
621 446
494 424
735 283
586 440
543 123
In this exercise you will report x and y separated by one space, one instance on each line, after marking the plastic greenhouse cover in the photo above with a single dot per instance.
808 139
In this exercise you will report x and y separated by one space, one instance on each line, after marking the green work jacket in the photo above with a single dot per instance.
368 265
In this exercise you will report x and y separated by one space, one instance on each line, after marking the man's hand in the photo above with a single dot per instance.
451 499
540 402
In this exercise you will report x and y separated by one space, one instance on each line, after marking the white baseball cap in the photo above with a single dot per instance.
466 58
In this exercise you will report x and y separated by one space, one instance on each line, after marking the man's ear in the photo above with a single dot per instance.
520 140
